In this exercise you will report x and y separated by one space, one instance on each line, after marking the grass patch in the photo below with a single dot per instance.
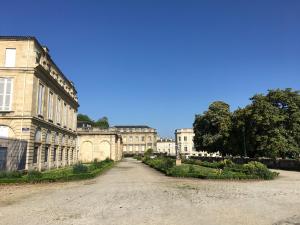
205 170
76 172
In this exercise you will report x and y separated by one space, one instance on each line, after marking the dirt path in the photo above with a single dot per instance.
132 193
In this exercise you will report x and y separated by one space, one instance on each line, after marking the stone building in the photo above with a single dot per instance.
137 139
95 143
38 105
185 143
166 145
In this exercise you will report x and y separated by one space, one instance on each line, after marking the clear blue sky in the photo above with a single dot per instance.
161 62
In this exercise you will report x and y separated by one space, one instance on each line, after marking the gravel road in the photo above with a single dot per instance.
132 193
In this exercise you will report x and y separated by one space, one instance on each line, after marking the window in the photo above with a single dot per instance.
130 139
179 138
143 138
75 120
124 139
40 99
149 138
50 106
137 138
10 57
4 131
185 149
61 154
185 138
54 154
143 147
67 156
5 94
58 111
46 154
70 117
65 115
35 154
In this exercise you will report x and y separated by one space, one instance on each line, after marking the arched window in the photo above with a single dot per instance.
63 140
38 136
56 139
48 137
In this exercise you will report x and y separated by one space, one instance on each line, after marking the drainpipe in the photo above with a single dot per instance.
23 104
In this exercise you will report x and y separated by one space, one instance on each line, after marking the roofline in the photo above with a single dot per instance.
17 38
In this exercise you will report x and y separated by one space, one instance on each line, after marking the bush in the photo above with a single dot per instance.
138 157
162 164
225 169
10 174
34 175
258 169
80 168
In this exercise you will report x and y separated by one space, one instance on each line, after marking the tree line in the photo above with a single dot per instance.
268 127
101 123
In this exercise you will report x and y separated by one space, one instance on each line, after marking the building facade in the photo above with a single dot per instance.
137 139
38 104
166 146
185 143
95 143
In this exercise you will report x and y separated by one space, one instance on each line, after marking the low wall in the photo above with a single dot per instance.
282 164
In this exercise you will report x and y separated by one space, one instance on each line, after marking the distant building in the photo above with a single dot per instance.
166 145
185 144
84 125
137 138
96 143
38 108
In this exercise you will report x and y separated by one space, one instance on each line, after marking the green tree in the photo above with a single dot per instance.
269 126
212 129
83 117
102 123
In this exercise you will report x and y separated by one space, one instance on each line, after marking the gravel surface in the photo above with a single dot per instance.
132 193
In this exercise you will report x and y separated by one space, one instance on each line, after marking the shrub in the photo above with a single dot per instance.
34 176
80 168
258 169
10 174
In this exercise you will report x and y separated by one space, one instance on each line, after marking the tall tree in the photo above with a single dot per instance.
212 129
102 123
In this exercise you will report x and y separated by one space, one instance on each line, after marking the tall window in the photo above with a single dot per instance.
65 114
40 99
10 57
185 138
58 111
75 120
5 94
46 154
35 154
50 106
54 154
70 118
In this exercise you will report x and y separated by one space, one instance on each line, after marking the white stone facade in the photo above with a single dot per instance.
166 146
